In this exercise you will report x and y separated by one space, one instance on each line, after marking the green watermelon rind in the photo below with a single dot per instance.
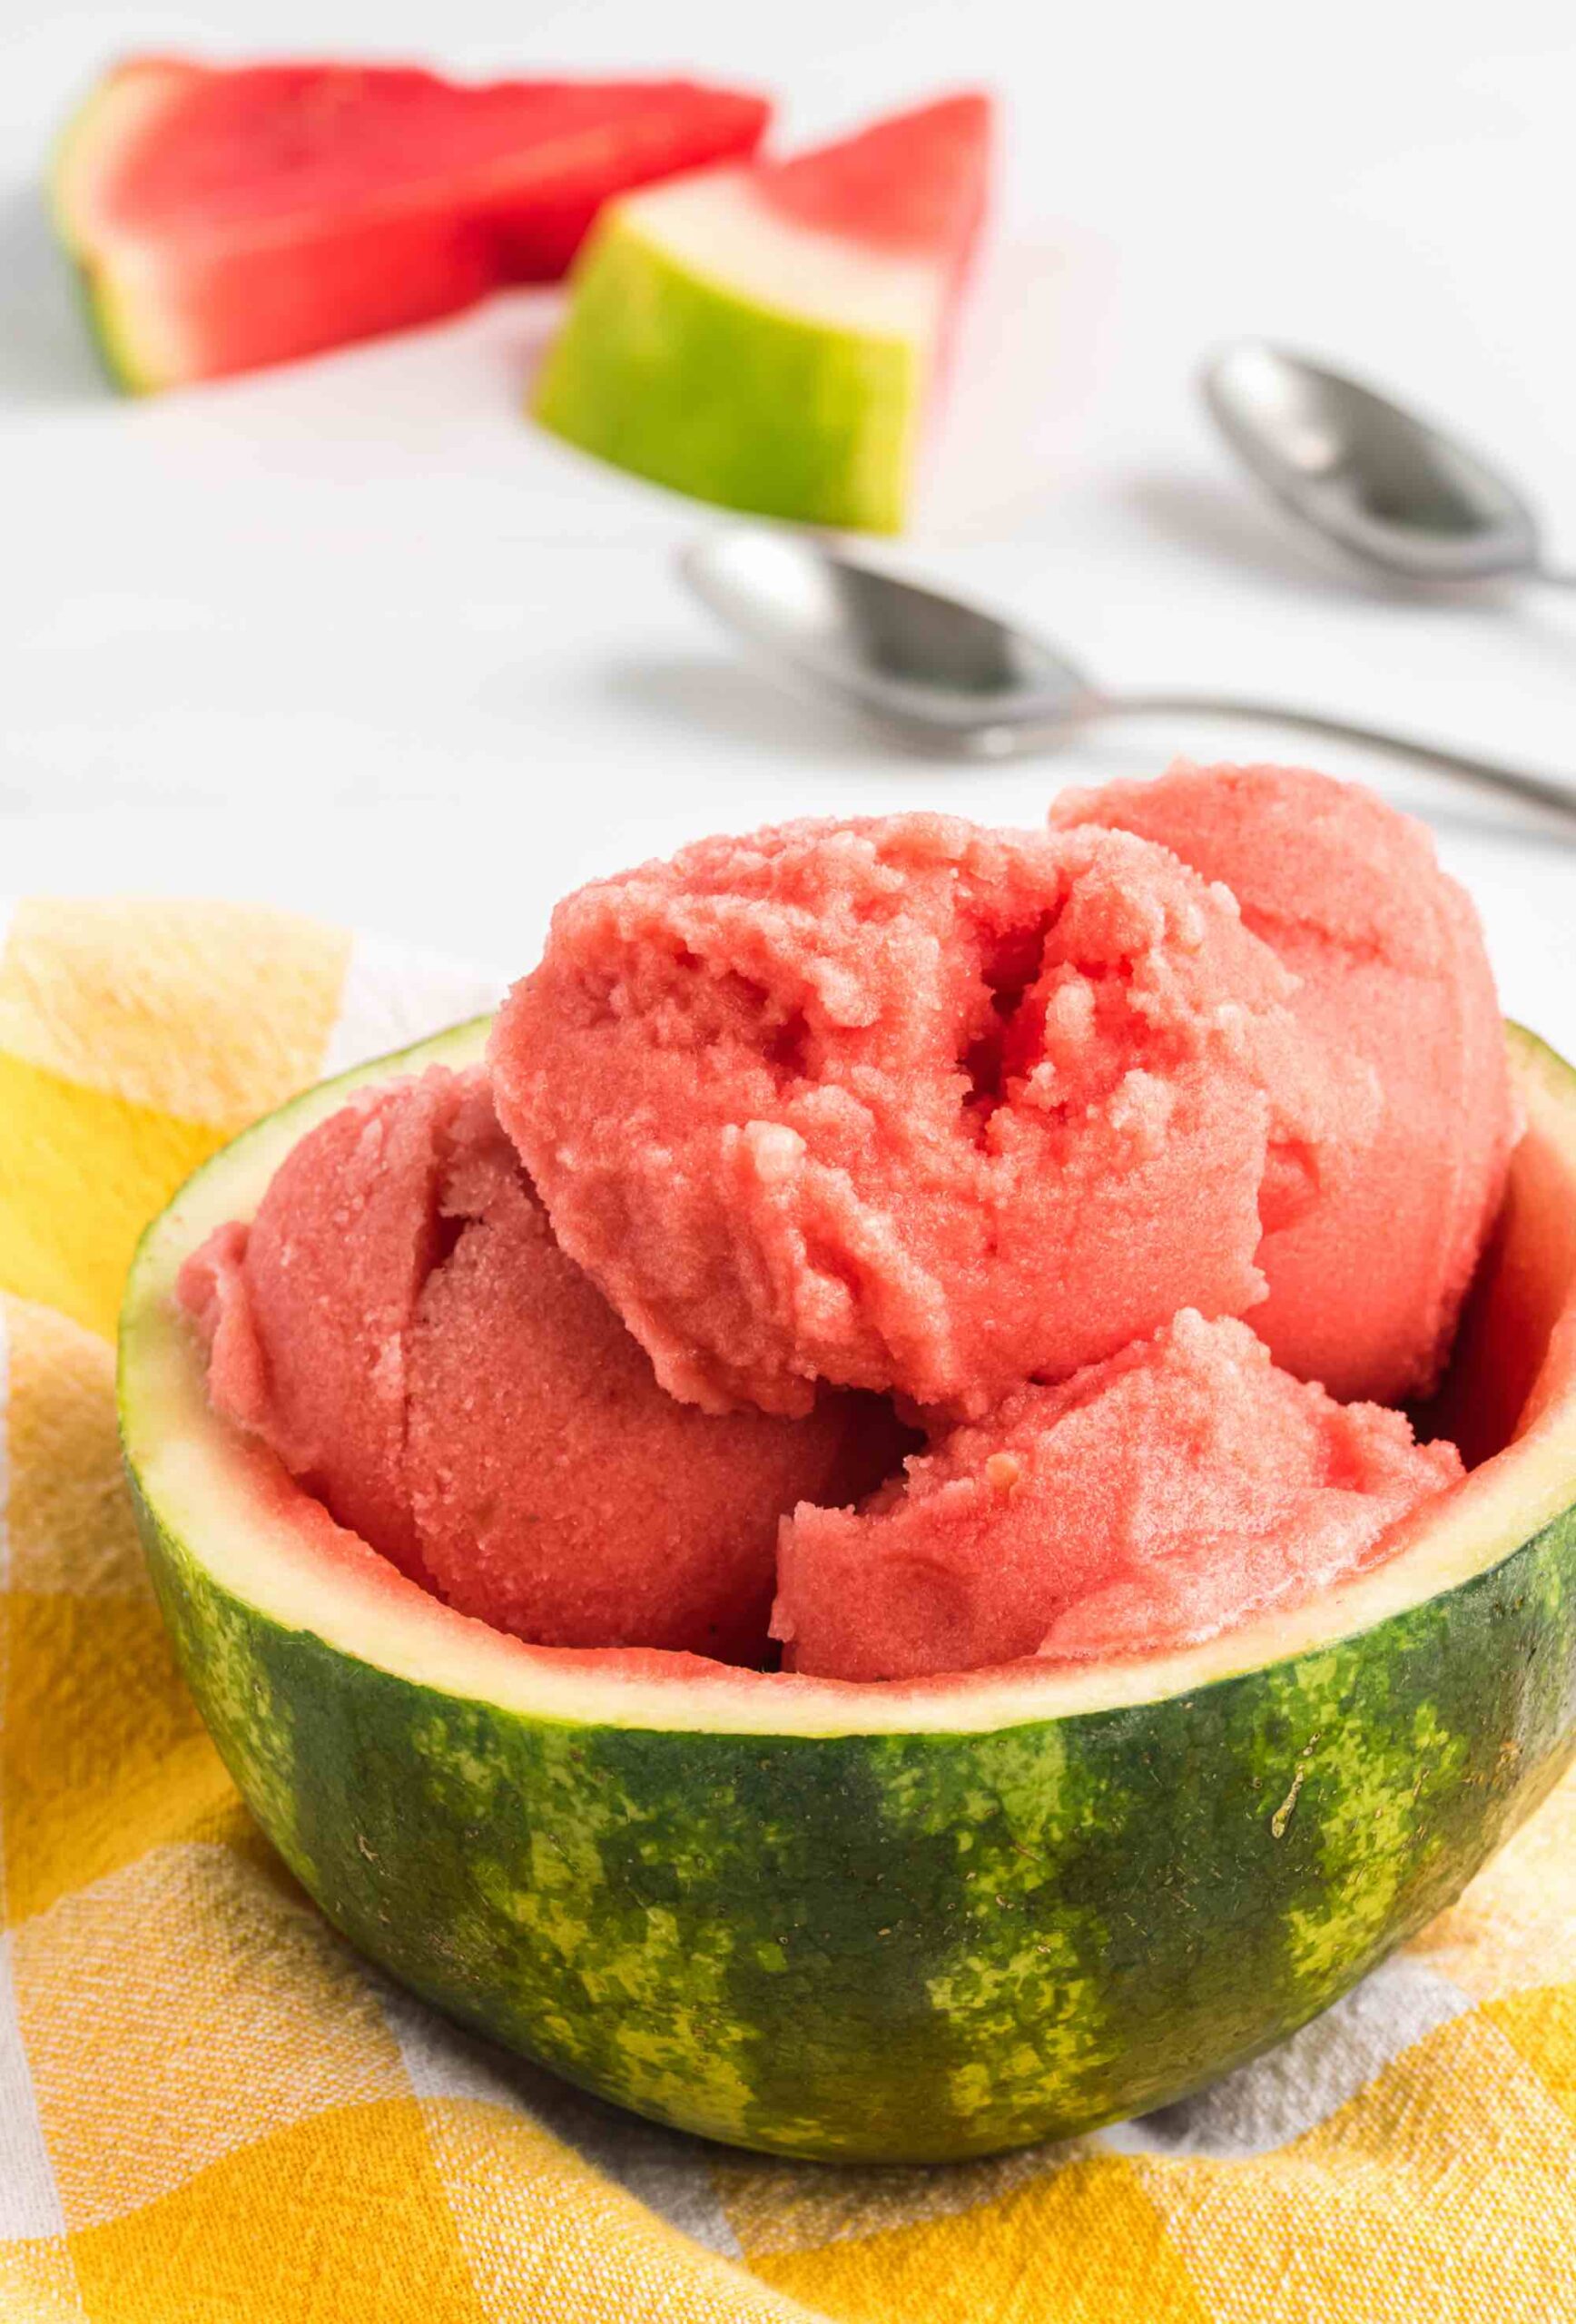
833 1933
111 327
112 315
694 383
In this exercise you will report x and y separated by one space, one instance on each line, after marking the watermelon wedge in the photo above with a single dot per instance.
905 1921
769 337
225 219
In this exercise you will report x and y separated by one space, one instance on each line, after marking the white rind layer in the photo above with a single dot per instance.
716 225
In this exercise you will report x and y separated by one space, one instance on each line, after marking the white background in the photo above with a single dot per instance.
355 637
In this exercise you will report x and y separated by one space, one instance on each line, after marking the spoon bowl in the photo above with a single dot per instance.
937 674
948 672
1352 467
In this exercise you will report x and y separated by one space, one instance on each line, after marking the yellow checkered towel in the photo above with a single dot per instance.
210 2108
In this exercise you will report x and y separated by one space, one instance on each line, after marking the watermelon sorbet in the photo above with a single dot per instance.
400 1326
906 1245
911 1105
1364 1288
1147 1502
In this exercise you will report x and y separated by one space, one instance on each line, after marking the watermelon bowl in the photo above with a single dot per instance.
912 1922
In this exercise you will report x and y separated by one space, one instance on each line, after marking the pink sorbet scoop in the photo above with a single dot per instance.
1366 1287
1152 1500
908 1104
398 1324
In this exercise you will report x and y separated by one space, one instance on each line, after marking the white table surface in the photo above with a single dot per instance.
355 638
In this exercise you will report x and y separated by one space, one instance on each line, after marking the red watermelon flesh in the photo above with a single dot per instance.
228 219
913 185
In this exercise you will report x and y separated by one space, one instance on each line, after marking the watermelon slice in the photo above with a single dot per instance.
225 219
768 337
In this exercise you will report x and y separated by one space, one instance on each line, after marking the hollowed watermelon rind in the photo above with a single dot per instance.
826 1921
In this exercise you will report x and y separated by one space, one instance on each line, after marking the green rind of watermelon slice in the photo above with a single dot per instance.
883 1921
225 219
770 339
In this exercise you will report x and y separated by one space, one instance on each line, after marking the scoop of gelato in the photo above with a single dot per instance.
1149 1501
1365 1286
909 1105
398 1324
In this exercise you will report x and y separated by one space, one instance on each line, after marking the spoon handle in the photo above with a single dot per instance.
1483 775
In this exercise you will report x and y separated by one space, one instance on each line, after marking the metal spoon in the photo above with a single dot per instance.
939 675
1355 469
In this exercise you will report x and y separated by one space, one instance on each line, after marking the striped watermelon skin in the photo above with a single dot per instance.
831 1933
